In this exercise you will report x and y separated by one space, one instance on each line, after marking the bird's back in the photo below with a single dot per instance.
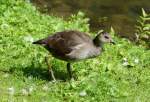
71 38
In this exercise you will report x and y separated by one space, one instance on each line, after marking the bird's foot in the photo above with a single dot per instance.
72 79
52 75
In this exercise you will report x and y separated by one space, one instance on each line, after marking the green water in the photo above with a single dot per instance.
121 14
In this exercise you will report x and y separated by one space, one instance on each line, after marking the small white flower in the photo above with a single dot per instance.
125 63
125 59
30 89
136 61
24 92
29 77
82 93
5 75
11 90
45 88
29 38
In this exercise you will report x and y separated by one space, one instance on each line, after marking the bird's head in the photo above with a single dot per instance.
103 37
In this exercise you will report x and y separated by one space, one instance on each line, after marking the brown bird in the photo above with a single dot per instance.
72 46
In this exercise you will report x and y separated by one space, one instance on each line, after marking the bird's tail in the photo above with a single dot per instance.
40 42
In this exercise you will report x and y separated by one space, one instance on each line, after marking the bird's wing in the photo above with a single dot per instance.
65 42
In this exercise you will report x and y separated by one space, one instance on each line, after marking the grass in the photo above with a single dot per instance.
120 74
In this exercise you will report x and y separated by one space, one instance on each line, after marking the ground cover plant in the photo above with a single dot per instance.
143 29
120 74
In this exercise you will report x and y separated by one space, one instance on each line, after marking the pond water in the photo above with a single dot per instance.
121 14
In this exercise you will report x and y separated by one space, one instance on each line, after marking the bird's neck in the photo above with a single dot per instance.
98 43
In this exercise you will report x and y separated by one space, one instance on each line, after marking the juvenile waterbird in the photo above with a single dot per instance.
72 46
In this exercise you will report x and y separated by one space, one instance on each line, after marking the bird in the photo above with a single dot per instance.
73 45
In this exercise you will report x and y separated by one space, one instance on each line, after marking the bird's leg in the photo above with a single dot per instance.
49 67
69 70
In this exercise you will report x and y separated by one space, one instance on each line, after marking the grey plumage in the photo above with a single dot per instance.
73 45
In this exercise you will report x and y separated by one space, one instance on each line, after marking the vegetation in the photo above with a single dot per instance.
120 74
143 29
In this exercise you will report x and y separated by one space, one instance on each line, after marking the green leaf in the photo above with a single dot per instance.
112 31
144 13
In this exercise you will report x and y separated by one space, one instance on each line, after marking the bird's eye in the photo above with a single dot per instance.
106 37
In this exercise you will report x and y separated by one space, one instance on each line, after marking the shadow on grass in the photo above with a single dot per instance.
39 73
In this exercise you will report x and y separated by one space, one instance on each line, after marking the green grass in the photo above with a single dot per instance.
120 74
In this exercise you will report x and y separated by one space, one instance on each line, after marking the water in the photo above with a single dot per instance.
121 14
